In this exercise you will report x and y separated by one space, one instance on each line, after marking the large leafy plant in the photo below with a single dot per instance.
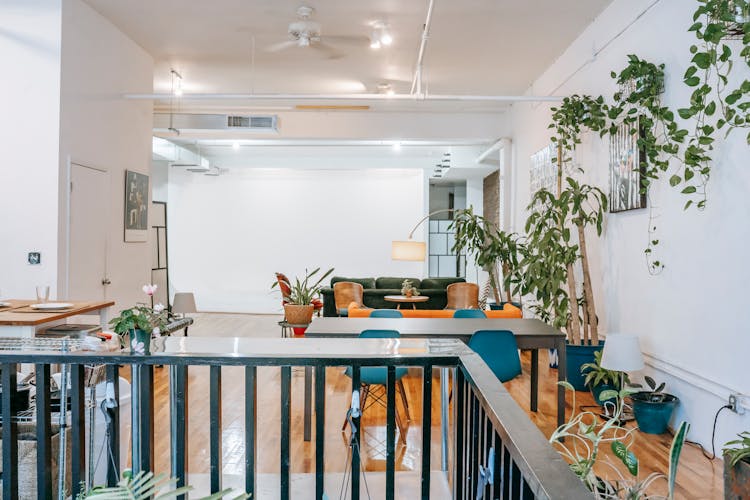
596 375
303 291
739 449
580 442
151 319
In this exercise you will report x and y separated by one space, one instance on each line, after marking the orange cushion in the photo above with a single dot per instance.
509 311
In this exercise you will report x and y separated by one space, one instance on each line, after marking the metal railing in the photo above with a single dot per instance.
495 452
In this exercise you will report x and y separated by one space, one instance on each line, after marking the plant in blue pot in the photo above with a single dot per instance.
141 323
653 408
599 379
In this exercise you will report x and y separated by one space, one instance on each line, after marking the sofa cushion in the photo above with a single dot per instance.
440 282
395 283
365 282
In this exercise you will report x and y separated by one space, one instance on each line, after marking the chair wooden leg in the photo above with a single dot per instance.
404 401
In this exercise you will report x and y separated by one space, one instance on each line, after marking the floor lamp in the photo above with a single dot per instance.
414 250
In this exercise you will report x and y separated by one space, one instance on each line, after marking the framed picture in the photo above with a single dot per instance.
136 207
625 163
543 172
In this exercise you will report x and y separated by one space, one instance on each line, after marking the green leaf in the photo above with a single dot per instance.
626 456
674 180
674 455
711 108
689 190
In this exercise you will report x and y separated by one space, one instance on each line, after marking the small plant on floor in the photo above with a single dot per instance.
579 441
146 485
655 393
303 291
738 450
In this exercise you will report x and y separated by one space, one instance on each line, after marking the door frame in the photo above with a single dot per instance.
67 200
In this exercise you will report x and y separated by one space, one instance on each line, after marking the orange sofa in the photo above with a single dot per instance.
508 311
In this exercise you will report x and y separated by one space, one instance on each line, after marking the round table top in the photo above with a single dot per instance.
404 298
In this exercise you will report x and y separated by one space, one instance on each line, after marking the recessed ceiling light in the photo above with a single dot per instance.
386 38
374 43
235 145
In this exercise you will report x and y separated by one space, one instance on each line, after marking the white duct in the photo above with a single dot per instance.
351 97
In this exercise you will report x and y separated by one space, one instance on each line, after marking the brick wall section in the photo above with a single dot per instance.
492 197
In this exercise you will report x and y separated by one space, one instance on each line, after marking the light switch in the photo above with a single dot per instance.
35 258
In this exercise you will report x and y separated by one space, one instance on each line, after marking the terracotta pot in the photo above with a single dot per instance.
298 315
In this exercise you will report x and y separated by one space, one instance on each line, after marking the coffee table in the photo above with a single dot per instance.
403 299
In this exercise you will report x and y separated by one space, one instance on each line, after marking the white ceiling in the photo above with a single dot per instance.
476 46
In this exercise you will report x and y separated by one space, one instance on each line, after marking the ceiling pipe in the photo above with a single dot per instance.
351 97
495 146
416 83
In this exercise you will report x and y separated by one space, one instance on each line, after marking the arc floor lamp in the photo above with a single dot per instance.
414 250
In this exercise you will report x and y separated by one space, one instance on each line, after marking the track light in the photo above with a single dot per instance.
374 43
176 83
381 35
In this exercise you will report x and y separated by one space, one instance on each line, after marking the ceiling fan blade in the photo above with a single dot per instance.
278 47
329 51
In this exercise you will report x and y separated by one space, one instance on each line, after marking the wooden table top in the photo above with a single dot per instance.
430 327
19 314
404 298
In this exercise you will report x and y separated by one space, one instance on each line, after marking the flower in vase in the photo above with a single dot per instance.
150 290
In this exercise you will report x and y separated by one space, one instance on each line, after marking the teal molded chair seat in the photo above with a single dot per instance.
377 376
469 313
386 313
498 348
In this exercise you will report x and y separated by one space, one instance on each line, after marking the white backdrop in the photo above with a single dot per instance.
229 234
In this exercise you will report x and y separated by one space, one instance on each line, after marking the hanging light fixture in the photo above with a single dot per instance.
381 35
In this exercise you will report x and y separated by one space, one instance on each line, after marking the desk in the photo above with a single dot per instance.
19 321
530 334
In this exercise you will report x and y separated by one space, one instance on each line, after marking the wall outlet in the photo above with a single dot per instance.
34 258
736 402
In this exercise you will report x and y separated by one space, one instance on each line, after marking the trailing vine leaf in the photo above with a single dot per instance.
626 456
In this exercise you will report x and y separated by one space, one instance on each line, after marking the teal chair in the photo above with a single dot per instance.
386 313
373 380
498 348
469 313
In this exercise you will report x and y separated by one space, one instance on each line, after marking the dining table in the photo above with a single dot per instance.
530 334
21 320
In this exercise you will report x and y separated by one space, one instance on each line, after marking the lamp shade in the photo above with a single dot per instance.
408 250
622 353
184 302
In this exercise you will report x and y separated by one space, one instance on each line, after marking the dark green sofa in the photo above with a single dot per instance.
375 289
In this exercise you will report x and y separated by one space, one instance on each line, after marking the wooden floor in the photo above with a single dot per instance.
698 477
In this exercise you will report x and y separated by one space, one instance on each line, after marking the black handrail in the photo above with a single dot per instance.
486 418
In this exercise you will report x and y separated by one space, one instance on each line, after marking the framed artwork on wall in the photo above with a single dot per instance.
136 207
625 164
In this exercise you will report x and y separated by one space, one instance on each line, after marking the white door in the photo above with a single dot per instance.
89 215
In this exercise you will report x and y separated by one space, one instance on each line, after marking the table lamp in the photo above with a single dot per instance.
622 353
184 302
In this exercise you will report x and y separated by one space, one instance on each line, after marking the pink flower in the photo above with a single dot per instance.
158 308
149 289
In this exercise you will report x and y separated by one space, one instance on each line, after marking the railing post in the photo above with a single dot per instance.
320 425
356 441
142 394
286 388
78 428
113 426
426 428
178 399
44 431
214 395
251 426
10 434
390 434
458 423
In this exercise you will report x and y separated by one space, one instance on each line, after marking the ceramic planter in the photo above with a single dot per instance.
736 480
298 315
577 356
140 342
653 416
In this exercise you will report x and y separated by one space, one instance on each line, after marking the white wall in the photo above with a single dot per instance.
29 126
100 129
229 234
691 318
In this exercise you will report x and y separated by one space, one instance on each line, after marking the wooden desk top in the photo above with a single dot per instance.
12 316
430 327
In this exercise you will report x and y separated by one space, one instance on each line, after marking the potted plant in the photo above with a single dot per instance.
599 379
653 408
737 468
298 306
579 441
141 323
408 290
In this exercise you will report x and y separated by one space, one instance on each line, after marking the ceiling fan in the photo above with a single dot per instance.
306 33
